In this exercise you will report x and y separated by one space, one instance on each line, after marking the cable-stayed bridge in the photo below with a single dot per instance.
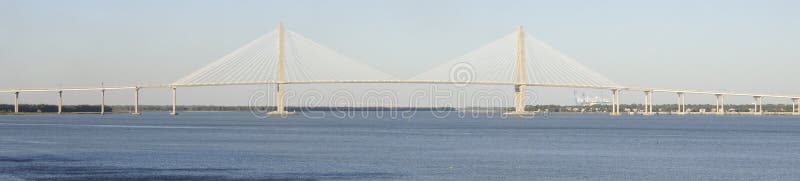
517 60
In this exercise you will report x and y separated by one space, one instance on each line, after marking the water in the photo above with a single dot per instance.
238 146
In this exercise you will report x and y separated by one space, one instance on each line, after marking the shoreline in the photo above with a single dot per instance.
536 113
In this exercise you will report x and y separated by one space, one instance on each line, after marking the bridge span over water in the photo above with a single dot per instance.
517 60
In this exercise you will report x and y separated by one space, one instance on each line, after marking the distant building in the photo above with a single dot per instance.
584 100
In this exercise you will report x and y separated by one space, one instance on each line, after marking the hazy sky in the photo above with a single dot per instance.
748 46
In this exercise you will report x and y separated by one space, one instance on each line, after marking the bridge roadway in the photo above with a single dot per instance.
397 82
757 109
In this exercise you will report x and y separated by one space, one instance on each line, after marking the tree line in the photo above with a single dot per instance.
53 108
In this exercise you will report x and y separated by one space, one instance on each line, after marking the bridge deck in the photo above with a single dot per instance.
398 82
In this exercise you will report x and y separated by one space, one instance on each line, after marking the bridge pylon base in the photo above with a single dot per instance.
280 113
519 113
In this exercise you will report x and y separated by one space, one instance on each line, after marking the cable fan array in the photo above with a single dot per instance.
496 62
304 60
308 61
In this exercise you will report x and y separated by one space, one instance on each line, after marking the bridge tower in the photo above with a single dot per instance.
280 110
520 81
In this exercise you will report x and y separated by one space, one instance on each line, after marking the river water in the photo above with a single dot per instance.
240 146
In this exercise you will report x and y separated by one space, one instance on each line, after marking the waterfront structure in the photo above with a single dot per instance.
264 62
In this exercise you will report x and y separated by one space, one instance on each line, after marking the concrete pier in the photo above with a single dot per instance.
60 102
722 104
102 101
16 102
136 102
681 103
758 105
174 102
615 102
648 103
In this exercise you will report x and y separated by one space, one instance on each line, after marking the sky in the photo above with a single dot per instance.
744 46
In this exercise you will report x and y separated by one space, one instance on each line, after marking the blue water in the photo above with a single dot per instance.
239 146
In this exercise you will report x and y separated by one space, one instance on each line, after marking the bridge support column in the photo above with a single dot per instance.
615 102
102 101
646 99
716 103
60 101
16 102
720 104
756 105
761 104
136 102
280 110
648 103
519 102
619 108
519 98
678 111
279 100
681 103
174 101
